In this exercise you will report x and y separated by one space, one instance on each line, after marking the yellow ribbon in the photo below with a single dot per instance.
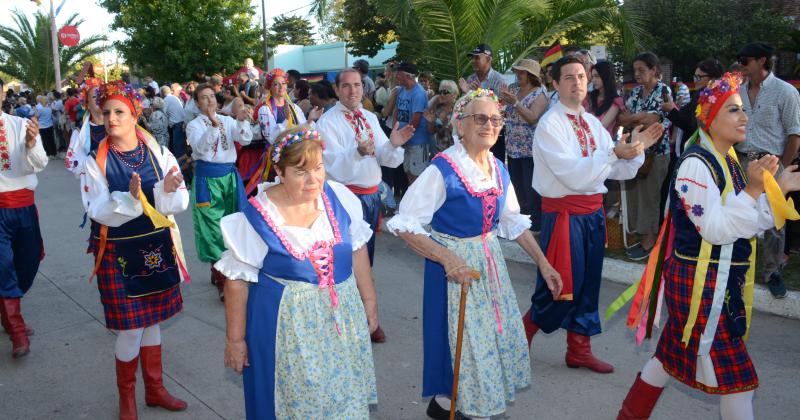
782 208
158 219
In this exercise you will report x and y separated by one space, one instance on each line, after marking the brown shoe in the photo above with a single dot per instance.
378 336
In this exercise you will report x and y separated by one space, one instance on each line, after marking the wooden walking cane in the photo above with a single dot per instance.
460 337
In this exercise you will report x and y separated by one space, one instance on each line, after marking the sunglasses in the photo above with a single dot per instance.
482 119
698 76
744 60
445 92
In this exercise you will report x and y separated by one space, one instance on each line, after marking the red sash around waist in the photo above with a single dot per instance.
559 253
361 190
16 199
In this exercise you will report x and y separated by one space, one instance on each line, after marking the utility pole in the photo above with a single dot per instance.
54 40
264 35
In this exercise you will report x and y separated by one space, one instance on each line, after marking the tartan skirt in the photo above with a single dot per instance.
128 313
732 365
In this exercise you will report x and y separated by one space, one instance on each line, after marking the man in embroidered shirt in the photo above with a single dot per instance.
574 155
217 189
21 157
773 127
356 148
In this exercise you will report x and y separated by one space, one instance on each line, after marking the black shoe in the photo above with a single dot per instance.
775 286
436 412
638 253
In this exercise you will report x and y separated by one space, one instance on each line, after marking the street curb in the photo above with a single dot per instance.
626 272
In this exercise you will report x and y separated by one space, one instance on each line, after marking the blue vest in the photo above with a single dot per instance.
281 264
461 215
687 238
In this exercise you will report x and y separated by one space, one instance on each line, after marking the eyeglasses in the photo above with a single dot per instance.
744 60
445 92
698 76
482 119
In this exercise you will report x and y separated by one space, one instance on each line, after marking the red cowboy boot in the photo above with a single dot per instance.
579 354
530 327
378 336
126 385
641 399
7 326
155 395
16 327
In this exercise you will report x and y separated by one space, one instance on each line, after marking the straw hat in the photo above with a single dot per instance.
531 66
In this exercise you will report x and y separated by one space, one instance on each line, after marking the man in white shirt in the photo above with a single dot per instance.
173 107
150 82
356 148
217 189
21 157
573 156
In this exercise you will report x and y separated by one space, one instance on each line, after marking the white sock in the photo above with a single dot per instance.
151 336
443 401
127 346
737 406
654 374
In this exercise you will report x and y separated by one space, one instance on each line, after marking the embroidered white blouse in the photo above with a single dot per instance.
719 223
270 127
559 167
427 194
118 207
23 163
343 163
246 250
208 142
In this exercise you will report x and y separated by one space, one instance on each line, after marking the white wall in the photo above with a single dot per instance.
324 58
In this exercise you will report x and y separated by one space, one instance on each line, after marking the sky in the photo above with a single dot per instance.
98 20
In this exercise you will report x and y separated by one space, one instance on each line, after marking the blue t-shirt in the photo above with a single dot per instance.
409 102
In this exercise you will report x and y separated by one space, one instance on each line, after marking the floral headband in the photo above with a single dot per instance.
461 104
293 138
714 95
124 92
91 84
273 74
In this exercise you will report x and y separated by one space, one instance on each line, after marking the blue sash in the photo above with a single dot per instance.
205 170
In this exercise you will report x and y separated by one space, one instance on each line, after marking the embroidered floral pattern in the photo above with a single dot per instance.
697 210
360 125
5 158
585 136
684 188
223 138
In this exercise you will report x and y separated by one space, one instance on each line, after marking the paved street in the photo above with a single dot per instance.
69 373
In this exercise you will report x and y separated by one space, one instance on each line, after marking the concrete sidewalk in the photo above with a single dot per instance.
69 373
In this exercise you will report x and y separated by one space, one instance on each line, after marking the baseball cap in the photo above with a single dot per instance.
481 49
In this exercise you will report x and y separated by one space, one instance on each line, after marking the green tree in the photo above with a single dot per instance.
367 28
438 34
687 31
292 30
172 39
332 22
26 52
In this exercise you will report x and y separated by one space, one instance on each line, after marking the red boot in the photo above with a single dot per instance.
126 384
530 327
7 326
155 395
640 401
579 354
12 317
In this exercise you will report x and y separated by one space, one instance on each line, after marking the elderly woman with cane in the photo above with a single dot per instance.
466 197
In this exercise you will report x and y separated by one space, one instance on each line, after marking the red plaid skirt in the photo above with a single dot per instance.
126 313
734 369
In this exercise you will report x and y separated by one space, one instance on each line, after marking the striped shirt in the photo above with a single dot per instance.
494 81
775 116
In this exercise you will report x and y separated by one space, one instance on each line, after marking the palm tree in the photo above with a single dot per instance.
439 33
26 52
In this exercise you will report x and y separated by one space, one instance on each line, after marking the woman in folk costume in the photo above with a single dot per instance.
707 247
217 188
276 113
85 140
466 197
300 282
130 187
